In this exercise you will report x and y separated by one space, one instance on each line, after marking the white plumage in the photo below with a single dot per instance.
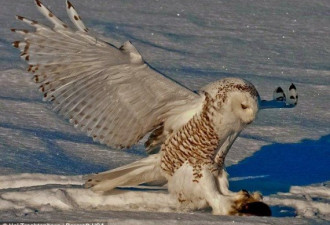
116 98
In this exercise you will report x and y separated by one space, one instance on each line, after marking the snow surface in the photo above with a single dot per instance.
284 153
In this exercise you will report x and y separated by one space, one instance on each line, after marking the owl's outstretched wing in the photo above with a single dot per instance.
108 92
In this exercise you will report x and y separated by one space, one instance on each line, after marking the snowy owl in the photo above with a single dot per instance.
114 96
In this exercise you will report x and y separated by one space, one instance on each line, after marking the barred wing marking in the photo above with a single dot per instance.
75 18
109 93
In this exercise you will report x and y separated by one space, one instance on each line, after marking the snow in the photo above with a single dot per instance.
29 193
301 198
284 153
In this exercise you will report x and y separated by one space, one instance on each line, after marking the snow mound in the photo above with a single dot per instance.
30 180
43 192
309 201
24 194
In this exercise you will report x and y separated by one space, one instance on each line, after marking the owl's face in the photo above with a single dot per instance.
236 101
243 106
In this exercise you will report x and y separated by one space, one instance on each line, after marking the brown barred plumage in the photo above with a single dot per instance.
195 143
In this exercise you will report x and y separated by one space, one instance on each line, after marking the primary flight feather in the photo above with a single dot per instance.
115 97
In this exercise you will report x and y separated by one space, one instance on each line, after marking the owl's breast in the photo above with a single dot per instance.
194 143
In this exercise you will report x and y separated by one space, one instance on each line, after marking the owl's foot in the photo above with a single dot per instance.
246 203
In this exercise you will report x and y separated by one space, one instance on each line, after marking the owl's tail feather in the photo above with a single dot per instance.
142 171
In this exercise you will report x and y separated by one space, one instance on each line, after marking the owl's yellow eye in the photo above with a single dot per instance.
244 106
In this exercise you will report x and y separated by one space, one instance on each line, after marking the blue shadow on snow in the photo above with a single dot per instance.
283 166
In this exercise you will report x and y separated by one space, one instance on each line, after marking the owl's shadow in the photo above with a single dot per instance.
277 167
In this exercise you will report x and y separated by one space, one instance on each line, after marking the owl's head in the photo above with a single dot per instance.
235 99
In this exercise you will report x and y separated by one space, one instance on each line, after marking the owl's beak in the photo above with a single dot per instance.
280 100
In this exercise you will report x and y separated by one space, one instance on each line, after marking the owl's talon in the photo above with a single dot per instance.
245 191
243 202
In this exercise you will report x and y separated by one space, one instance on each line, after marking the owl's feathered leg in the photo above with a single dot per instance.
220 204
223 184
245 203
203 192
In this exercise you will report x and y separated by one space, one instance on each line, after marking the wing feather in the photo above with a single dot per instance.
108 92
50 16
75 18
